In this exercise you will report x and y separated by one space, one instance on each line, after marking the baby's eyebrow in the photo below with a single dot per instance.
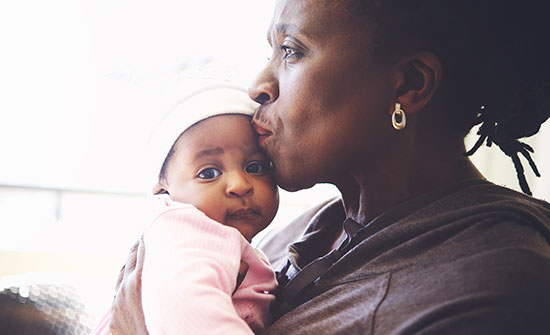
253 150
209 152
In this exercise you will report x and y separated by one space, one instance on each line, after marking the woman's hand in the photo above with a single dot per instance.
127 313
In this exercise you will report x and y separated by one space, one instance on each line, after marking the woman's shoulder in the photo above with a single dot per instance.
485 191
487 201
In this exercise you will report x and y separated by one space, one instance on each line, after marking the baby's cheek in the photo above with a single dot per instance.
214 211
207 203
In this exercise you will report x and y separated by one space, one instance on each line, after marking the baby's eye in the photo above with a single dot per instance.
256 168
209 173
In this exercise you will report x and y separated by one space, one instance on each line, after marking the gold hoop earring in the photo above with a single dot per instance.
398 117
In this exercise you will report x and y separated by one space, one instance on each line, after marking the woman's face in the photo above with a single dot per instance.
326 103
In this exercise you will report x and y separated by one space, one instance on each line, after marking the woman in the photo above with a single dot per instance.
376 97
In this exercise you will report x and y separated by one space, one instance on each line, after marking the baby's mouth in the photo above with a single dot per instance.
243 214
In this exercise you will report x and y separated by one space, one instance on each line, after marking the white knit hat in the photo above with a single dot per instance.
215 99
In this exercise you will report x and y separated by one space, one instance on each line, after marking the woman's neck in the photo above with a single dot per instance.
416 164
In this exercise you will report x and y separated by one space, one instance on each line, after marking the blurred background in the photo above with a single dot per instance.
82 85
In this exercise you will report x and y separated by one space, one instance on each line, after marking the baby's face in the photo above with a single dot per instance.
218 167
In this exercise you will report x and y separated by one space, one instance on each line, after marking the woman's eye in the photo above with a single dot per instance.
256 168
209 173
290 54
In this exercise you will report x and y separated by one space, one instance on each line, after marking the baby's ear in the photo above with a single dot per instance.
159 189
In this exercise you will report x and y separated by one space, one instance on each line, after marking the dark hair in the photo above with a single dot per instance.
495 57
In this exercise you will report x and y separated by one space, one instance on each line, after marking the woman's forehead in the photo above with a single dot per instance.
313 18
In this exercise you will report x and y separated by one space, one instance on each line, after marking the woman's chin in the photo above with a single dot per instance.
292 183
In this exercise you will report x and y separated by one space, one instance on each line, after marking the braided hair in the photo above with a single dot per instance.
496 63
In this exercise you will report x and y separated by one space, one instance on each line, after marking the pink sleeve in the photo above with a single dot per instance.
102 327
189 274
254 296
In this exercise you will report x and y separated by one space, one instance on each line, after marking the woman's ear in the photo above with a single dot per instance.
417 77
159 188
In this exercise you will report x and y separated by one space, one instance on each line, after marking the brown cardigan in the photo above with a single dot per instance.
473 258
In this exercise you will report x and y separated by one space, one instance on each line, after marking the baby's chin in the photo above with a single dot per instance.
248 229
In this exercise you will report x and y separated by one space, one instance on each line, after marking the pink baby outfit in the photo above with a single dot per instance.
190 272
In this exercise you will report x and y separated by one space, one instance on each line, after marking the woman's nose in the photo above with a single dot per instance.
238 185
264 88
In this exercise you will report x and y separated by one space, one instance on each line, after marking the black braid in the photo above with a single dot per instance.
485 132
510 146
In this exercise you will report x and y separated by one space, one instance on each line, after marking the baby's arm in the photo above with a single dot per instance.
189 273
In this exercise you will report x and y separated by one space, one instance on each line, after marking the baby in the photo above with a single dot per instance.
216 192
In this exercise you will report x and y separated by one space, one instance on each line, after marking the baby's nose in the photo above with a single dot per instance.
238 185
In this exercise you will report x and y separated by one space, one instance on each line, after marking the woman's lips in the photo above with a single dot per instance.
262 132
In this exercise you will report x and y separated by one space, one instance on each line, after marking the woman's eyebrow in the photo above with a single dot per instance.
285 28
281 28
